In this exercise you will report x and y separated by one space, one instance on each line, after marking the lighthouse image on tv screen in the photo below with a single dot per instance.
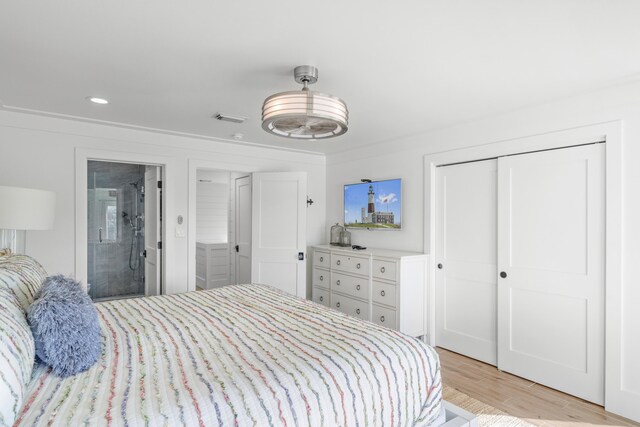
374 204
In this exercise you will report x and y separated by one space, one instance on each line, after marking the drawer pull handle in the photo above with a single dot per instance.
321 298
357 311
358 266
382 269
338 282
321 259
338 304
321 278
338 262
358 287
382 293
382 318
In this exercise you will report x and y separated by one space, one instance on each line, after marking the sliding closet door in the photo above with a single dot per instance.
466 259
551 264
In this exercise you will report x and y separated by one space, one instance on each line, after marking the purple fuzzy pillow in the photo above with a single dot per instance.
65 326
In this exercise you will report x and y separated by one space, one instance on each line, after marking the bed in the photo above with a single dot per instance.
241 355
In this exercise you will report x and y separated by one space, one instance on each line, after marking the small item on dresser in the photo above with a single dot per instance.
345 238
340 236
335 234
358 247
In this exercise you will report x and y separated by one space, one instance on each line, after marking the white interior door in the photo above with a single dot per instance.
279 205
551 263
152 231
466 252
243 229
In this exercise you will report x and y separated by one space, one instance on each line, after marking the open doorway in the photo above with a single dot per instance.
124 219
265 228
223 228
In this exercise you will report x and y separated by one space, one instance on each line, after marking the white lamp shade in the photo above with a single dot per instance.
26 208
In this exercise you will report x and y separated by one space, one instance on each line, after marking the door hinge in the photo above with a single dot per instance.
159 184
159 245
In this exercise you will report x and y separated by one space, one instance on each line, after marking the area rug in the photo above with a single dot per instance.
487 414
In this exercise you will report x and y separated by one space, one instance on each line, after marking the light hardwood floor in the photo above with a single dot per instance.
521 398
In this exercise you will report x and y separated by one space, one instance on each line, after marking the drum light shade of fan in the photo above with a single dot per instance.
305 114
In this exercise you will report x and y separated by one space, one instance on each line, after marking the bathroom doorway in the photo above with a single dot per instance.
124 218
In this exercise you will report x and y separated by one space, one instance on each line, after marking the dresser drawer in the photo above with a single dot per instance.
321 278
384 317
350 264
384 269
350 285
321 296
384 293
350 306
321 259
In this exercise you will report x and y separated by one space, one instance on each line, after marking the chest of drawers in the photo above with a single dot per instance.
382 286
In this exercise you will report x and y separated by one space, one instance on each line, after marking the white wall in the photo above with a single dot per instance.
39 152
212 206
404 159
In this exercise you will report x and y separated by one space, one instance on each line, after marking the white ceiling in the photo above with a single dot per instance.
403 67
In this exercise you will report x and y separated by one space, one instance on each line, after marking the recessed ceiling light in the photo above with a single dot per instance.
97 100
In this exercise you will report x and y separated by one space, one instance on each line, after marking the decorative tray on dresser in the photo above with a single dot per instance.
383 286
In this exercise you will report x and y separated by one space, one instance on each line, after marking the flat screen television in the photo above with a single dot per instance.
375 205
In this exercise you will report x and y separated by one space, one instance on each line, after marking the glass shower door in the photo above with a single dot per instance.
115 195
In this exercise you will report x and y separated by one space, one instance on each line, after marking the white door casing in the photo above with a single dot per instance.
466 258
279 230
551 249
152 231
243 226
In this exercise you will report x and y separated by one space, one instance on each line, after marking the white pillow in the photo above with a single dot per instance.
22 276
17 353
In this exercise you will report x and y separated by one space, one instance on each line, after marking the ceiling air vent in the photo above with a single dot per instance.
230 118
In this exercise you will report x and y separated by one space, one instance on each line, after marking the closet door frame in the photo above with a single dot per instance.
617 399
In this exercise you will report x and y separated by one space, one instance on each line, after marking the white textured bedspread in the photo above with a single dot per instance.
241 355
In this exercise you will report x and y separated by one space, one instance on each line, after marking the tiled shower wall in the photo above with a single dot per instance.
109 273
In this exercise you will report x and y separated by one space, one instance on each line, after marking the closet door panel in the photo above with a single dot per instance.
551 248
466 250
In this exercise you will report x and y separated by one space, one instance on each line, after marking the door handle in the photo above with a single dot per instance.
237 248
300 256
440 266
503 274
100 234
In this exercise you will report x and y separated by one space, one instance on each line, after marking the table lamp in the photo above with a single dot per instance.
23 209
